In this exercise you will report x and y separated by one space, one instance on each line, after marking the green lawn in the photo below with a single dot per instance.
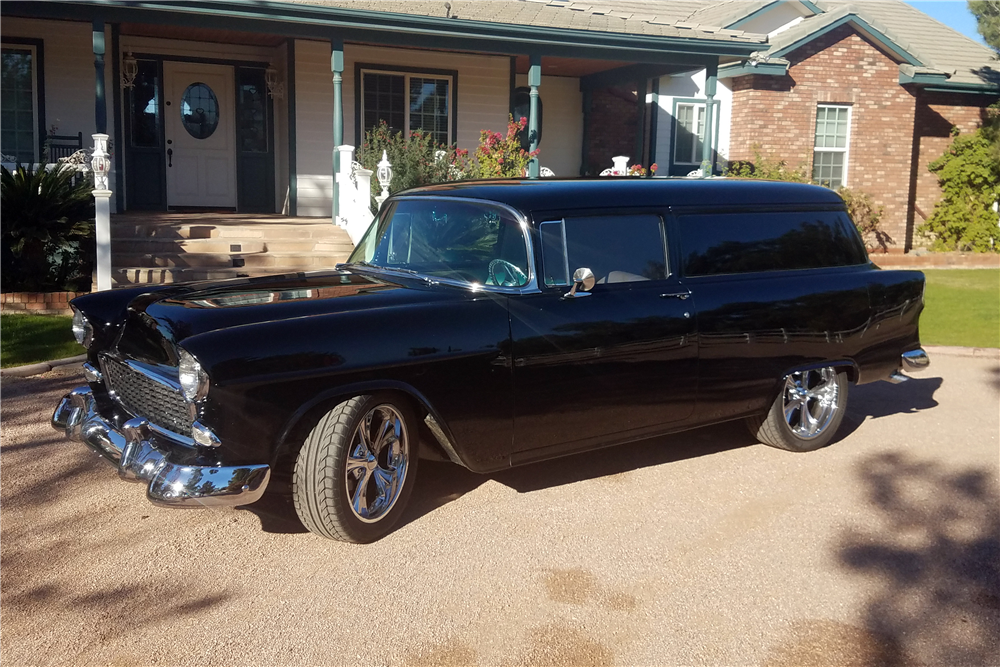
962 307
28 339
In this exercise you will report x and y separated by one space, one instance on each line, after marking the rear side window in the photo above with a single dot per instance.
617 248
723 243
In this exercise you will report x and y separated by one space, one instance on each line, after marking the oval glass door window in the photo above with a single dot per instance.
199 111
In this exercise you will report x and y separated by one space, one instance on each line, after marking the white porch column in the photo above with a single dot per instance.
101 165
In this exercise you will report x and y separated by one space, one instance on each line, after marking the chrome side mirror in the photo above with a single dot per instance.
583 282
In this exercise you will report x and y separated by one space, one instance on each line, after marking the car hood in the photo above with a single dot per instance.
157 320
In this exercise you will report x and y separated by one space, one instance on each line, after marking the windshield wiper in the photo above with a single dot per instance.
394 269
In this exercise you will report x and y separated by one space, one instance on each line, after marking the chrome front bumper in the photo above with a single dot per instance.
141 456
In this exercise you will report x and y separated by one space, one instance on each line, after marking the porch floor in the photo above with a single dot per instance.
167 247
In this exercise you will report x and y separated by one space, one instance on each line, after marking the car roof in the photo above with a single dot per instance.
614 192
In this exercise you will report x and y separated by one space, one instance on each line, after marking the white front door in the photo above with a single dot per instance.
201 134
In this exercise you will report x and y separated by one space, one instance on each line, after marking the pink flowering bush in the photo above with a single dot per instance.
501 156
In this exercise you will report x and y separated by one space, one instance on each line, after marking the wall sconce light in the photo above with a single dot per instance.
130 68
275 88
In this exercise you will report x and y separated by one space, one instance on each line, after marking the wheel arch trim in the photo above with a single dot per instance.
439 429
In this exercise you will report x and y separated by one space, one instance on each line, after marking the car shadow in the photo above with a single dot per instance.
439 483
883 399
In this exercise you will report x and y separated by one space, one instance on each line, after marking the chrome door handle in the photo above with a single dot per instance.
676 295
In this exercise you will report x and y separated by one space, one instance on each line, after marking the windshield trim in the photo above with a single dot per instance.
531 287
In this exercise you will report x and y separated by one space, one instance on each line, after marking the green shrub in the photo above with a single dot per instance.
46 231
766 169
867 218
969 176
416 159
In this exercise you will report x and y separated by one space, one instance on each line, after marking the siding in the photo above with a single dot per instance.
483 103
562 123
686 86
68 54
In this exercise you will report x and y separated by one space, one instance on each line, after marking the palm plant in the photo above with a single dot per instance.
46 223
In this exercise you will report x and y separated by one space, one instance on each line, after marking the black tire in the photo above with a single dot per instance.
323 488
815 402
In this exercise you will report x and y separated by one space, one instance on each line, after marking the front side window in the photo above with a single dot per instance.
467 242
833 127
407 102
18 105
690 133
617 248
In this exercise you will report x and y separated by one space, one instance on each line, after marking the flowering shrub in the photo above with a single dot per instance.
416 159
500 156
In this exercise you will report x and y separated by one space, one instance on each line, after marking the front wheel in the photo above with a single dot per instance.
806 414
356 469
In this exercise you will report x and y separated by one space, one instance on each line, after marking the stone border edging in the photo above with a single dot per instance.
931 350
39 368
951 351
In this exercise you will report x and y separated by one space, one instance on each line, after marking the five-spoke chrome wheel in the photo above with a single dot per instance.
807 412
355 470
810 401
377 462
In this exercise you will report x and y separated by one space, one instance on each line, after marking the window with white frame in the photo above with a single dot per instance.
407 102
833 138
689 128
18 103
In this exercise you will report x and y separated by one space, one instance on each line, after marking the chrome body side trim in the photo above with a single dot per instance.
142 455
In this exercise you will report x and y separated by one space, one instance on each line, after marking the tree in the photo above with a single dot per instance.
987 13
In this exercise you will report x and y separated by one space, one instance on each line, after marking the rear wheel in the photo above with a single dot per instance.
806 414
356 469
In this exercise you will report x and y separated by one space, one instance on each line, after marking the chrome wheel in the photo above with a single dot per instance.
810 401
377 462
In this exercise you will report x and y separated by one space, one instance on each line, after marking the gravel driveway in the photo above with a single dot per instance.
701 548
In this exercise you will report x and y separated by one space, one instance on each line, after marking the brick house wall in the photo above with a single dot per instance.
936 115
841 67
614 113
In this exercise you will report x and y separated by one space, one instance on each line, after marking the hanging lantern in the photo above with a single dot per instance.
130 69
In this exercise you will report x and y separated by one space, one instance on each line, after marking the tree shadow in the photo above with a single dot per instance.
933 557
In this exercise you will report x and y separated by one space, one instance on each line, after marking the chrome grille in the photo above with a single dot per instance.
145 397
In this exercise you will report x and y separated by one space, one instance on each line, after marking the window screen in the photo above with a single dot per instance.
18 102
833 124
715 244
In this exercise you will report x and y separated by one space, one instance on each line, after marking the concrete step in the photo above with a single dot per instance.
141 275
155 246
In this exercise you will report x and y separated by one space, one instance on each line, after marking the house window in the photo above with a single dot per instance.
690 133
833 129
407 102
19 104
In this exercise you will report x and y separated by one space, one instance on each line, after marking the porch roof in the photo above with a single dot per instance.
559 29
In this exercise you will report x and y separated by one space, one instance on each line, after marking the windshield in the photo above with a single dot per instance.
469 242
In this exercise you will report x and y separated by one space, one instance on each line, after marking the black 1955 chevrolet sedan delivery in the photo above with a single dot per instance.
493 324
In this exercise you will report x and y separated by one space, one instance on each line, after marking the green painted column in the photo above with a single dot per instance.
534 81
337 65
100 102
708 154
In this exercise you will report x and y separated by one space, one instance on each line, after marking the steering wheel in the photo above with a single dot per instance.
513 276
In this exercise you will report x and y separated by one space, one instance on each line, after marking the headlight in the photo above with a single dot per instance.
82 331
193 378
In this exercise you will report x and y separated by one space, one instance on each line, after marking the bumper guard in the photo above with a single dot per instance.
139 456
